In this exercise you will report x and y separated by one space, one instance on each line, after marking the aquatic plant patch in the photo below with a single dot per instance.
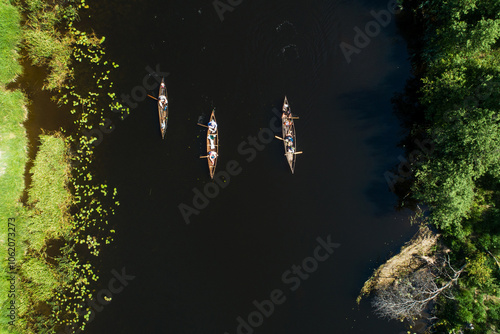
138 94
103 297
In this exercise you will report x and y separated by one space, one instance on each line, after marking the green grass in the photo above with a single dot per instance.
48 198
52 248
45 220
13 157
10 35
13 140
43 279
48 37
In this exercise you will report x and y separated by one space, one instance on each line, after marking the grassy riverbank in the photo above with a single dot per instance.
13 140
44 270
458 112
62 227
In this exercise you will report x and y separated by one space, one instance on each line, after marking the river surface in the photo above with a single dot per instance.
198 278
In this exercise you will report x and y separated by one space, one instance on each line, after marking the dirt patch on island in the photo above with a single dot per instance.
413 255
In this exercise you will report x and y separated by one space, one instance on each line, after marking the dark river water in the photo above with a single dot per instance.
248 242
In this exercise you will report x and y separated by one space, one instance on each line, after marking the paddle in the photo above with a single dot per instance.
206 156
202 125
278 137
295 153
153 97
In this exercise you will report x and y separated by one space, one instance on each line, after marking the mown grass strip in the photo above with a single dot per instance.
13 143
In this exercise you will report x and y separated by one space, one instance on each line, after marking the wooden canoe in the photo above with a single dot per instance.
163 108
289 137
212 146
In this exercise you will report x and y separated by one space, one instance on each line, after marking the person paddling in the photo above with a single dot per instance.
212 126
212 156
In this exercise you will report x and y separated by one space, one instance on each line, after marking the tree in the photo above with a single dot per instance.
408 297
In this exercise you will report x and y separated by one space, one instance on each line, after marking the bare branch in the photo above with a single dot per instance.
408 297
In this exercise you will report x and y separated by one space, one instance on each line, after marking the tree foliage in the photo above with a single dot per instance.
460 181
